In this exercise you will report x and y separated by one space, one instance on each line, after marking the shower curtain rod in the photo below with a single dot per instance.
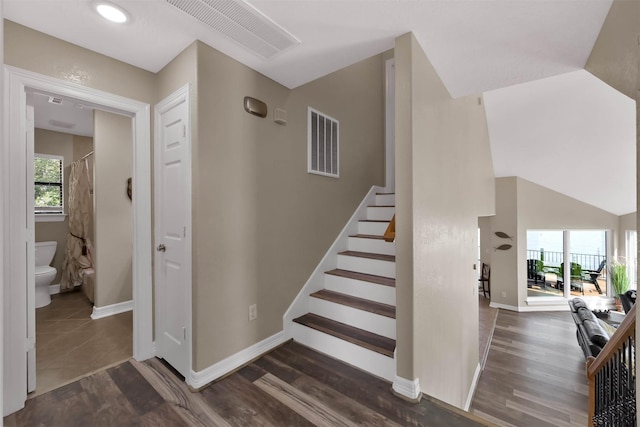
90 153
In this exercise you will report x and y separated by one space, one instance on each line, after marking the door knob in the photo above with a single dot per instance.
161 248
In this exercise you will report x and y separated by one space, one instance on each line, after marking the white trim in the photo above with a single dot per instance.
546 301
472 389
16 82
407 388
49 217
300 304
524 309
110 310
179 96
54 289
503 306
202 378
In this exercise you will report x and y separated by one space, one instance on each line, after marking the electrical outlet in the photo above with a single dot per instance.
253 312
504 294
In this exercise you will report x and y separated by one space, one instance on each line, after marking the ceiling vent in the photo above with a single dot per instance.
55 100
59 124
242 23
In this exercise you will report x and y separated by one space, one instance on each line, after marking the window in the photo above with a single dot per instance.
47 171
323 156
547 251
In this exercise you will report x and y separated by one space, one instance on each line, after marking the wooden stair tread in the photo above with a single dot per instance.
375 220
385 194
380 280
368 236
369 255
375 307
381 206
366 339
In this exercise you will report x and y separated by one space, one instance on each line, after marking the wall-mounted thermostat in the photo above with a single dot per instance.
280 116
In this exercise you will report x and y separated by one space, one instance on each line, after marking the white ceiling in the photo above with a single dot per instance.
71 116
476 46
571 133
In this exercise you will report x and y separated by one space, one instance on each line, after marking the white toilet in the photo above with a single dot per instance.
44 273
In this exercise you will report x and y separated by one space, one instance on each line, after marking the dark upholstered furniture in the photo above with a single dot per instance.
628 299
592 337
535 270
485 279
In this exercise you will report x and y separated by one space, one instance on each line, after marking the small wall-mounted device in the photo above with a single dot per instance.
280 116
255 107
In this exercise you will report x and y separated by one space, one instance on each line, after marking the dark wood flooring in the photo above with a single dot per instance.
380 280
385 310
381 257
534 374
290 386
378 343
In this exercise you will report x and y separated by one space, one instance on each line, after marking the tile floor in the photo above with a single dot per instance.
70 345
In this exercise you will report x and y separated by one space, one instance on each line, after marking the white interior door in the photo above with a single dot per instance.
31 279
173 230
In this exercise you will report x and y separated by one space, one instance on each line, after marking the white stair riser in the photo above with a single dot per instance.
371 322
368 266
361 289
385 199
380 213
360 357
373 228
375 246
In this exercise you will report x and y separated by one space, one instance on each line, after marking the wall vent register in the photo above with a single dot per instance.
323 146
242 23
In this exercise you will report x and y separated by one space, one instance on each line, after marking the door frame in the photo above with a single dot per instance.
14 225
177 97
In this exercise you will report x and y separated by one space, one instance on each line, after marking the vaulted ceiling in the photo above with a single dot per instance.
491 47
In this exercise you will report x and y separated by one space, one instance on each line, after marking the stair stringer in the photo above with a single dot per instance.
301 304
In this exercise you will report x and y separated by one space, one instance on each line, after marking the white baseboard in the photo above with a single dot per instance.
110 310
472 389
407 388
503 306
202 378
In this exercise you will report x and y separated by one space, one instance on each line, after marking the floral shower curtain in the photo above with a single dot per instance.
79 249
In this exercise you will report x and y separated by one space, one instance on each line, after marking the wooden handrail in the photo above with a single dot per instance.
626 330
390 232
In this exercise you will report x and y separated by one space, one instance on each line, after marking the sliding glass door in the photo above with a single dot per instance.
583 275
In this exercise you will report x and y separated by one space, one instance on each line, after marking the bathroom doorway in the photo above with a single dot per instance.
20 307
73 336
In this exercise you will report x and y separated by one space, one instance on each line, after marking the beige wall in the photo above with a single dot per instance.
614 58
113 145
34 51
261 222
450 180
521 206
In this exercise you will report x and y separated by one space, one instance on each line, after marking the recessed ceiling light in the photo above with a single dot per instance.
112 13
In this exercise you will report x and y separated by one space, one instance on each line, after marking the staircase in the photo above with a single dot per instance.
352 316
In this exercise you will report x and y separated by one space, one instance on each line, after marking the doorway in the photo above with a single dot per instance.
19 307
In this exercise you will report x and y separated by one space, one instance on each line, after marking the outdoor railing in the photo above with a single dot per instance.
612 378
554 259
